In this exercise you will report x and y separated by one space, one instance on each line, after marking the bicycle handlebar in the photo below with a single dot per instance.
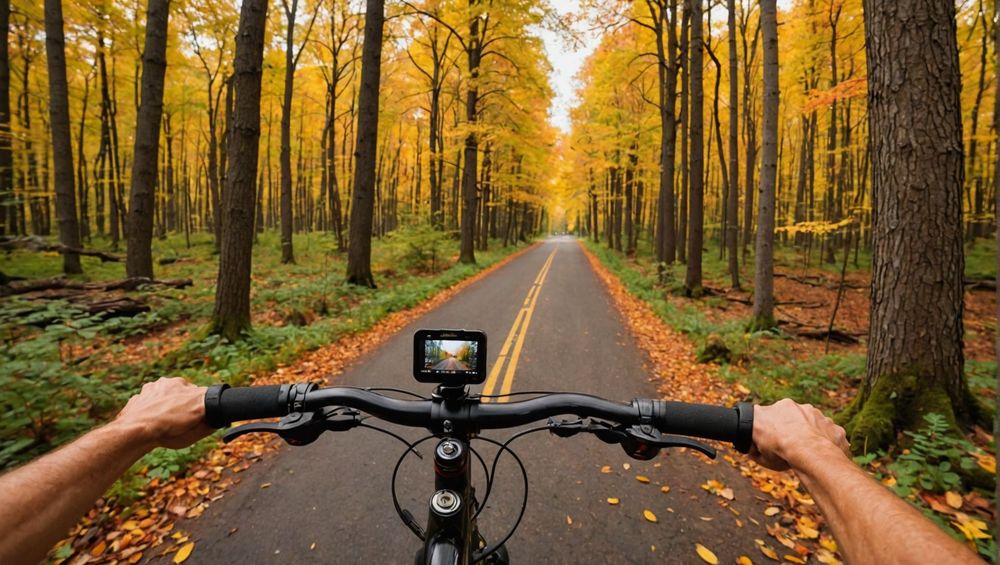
224 405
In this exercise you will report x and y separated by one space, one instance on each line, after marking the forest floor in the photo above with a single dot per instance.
768 366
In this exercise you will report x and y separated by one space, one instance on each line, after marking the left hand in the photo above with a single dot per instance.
170 412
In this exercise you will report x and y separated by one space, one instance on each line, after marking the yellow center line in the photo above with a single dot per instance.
516 336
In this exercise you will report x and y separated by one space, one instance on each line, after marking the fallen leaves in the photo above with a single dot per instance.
706 554
569 521
613 501
953 499
606 469
642 479
971 528
719 489
649 516
772 510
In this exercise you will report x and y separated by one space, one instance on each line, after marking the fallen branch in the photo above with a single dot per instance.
829 335
38 244
67 284
980 284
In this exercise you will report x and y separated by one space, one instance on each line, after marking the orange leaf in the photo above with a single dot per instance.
98 549
769 552
953 499
795 559
648 515
665 489
612 500
642 479
183 553
606 469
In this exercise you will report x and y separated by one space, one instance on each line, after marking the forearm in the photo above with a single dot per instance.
43 499
864 515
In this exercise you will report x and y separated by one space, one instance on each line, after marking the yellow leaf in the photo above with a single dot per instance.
794 559
742 389
183 553
130 525
135 557
987 462
973 529
648 515
769 552
953 499
265 485
828 543
569 521
612 500
743 560
706 554
665 489
606 469
642 479
772 510
727 493
312 546
807 532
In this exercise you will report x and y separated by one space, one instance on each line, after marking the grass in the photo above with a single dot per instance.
56 378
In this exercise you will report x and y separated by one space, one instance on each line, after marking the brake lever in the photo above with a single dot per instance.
301 428
644 442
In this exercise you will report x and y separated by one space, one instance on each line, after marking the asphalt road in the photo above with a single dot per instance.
451 364
330 502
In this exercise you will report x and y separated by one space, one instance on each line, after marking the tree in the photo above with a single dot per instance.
291 62
139 231
474 51
359 253
915 356
692 278
996 211
55 52
231 317
8 220
763 281
733 196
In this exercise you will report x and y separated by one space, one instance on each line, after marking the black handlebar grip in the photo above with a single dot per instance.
734 425
225 405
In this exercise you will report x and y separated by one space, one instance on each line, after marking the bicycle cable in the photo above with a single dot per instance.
490 550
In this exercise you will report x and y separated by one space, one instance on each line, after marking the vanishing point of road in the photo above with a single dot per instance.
552 327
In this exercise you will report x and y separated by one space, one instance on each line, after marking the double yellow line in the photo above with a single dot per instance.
516 337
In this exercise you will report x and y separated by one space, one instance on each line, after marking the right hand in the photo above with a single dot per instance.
786 431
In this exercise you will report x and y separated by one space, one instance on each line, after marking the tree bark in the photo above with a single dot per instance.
285 157
733 197
474 49
915 353
142 197
8 218
231 316
763 285
55 51
359 267
693 276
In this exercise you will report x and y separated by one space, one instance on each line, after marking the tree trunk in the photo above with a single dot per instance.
142 197
231 317
692 278
359 255
733 197
8 217
996 211
666 241
55 51
287 253
915 353
474 48
763 283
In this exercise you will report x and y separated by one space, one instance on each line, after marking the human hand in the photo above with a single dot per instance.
169 412
785 431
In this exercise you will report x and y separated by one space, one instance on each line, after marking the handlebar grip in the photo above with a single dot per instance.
734 425
225 405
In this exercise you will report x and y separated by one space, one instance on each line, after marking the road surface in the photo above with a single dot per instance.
330 502
451 364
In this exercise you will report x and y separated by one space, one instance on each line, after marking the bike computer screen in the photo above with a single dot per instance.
450 357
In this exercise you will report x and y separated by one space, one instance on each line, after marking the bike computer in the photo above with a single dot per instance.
449 357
